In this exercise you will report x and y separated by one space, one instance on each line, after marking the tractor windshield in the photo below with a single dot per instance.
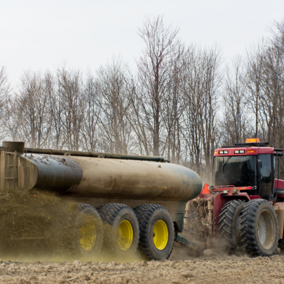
235 170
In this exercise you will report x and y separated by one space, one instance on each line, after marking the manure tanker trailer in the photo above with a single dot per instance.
129 203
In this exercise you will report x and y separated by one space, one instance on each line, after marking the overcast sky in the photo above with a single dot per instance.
37 35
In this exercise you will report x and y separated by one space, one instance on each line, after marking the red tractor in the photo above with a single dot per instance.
245 206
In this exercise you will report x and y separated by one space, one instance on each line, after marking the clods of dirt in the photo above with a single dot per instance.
220 269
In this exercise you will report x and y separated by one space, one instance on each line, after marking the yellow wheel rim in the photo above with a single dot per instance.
125 235
160 235
88 236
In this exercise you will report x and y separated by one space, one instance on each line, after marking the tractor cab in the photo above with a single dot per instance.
249 167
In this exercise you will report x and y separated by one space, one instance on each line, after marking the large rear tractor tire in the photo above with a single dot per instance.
229 224
89 234
121 229
259 228
156 231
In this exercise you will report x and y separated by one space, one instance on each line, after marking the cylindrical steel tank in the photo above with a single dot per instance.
100 178
108 178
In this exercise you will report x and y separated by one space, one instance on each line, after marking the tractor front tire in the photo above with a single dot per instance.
229 224
259 228
156 231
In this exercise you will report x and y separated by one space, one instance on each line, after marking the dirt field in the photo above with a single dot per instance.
179 269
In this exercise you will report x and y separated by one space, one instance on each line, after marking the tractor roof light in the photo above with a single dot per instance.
239 151
250 151
252 140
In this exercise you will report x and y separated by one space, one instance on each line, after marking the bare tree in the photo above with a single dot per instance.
92 115
32 110
154 74
236 123
212 83
170 107
4 99
278 38
114 103
174 103
264 78
201 90
71 107
271 101
191 87
253 80
142 137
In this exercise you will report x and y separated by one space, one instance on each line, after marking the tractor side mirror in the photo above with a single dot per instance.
259 164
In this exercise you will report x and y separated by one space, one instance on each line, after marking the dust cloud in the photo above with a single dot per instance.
39 226
35 224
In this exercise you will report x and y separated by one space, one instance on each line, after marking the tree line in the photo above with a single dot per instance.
182 102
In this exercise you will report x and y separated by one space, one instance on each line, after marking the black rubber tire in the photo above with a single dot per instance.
229 224
250 226
148 215
112 215
87 213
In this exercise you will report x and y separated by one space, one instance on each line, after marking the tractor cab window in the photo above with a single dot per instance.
235 170
265 164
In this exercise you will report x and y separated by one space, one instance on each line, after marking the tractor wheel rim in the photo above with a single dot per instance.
160 235
88 235
266 229
125 235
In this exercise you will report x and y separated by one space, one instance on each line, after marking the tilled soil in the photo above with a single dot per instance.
205 269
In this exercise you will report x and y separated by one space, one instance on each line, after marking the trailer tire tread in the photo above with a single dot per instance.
84 209
144 214
113 214
109 211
